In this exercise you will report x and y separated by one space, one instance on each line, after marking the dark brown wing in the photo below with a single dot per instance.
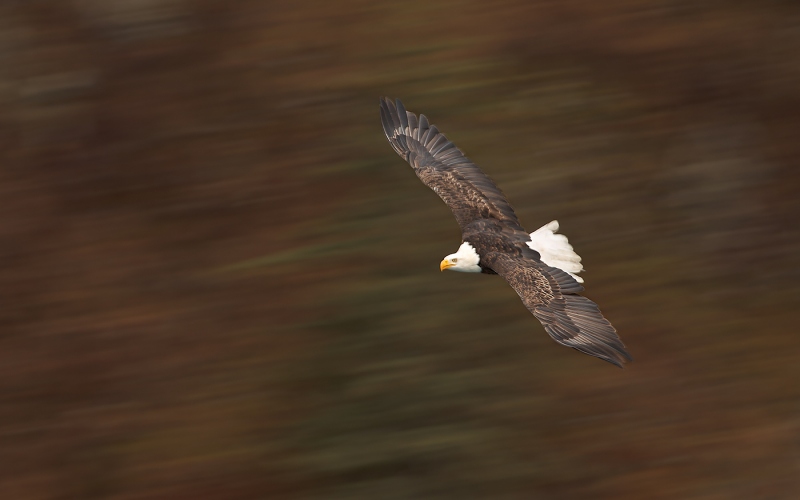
469 193
550 294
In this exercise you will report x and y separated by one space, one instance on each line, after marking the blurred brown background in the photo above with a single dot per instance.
219 281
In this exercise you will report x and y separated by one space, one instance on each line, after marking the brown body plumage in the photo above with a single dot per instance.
490 226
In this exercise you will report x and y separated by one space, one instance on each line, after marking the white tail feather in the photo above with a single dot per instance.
555 250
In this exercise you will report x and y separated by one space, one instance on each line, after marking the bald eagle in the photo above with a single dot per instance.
541 266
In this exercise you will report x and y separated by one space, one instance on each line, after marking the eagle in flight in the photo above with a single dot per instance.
541 266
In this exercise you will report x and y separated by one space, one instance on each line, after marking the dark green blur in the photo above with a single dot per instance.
217 280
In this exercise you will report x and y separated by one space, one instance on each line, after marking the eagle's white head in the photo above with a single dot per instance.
465 260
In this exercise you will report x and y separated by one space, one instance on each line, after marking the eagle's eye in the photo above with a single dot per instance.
454 260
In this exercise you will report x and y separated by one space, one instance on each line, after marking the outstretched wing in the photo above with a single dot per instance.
469 193
550 294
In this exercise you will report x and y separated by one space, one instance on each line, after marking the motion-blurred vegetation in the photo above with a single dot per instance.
219 281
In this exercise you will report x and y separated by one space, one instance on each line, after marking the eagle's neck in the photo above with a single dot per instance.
468 259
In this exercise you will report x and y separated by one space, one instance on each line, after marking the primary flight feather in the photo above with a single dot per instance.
541 266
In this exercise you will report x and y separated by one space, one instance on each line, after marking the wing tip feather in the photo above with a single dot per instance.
575 321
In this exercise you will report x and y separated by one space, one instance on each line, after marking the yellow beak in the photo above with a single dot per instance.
445 264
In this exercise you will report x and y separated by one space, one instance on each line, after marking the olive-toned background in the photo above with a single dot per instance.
217 280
